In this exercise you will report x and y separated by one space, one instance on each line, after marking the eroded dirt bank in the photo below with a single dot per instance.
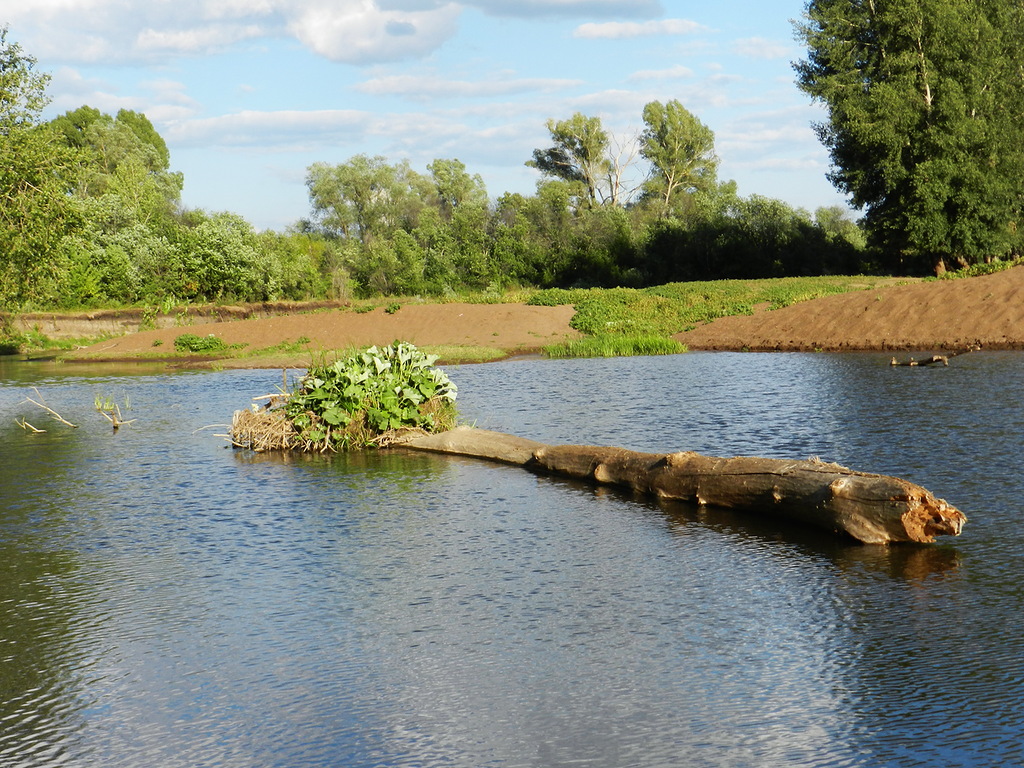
940 314
932 315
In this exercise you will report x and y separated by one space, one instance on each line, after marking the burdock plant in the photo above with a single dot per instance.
362 401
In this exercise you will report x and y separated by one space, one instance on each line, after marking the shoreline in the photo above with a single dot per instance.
928 316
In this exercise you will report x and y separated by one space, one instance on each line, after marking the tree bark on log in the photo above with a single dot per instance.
874 509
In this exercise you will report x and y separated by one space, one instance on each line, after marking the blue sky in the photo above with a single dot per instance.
249 93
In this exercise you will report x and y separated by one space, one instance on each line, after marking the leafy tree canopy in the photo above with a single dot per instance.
365 197
681 150
579 153
35 171
924 100
118 148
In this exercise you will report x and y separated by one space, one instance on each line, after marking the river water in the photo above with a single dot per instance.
168 601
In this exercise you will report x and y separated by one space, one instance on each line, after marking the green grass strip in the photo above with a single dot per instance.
615 345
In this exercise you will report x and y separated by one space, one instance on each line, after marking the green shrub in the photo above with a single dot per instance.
359 400
977 270
190 342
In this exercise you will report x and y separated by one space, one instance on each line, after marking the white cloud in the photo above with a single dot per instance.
69 90
126 31
772 131
169 101
678 72
262 128
194 40
351 31
618 30
425 87
760 48
588 8
360 32
163 101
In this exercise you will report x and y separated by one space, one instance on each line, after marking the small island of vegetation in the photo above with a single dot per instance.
362 401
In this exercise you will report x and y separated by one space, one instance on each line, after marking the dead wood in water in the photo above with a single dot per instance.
41 403
875 509
935 359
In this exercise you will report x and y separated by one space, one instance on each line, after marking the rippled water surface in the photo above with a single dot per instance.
167 601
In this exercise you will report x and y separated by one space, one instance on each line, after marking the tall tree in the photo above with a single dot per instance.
681 150
579 153
36 169
924 99
108 143
455 187
366 197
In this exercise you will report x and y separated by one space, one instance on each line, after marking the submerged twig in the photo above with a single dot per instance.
28 427
211 426
48 409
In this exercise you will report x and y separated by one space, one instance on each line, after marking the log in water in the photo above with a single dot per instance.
874 509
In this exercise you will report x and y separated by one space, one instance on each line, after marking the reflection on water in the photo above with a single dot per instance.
167 601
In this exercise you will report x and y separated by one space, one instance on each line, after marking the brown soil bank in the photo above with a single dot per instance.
943 314
99 322
940 314
508 327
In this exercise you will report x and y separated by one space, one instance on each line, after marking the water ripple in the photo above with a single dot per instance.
167 601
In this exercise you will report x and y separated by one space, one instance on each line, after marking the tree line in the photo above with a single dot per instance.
924 106
632 212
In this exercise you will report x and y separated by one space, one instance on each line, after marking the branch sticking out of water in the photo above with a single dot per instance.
48 409
113 415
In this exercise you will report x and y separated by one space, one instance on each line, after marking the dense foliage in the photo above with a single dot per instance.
354 401
190 342
924 100
91 215
35 211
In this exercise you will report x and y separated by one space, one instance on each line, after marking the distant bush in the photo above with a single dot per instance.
190 342
976 270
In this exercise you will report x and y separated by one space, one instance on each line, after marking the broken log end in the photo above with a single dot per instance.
932 517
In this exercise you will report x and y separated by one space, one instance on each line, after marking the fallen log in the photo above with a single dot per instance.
874 509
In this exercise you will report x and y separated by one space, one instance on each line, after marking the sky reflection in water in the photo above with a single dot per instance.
165 600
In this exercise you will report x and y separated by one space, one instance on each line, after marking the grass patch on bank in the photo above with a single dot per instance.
34 343
665 310
298 347
615 345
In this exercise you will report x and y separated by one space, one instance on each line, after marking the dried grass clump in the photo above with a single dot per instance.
263 430
270 429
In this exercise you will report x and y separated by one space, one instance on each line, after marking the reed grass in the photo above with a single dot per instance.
615 345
